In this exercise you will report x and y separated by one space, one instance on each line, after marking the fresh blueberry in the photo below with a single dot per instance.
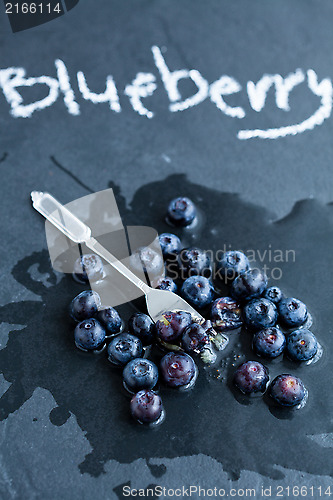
195 338
140 374
250 284
172 325
147 260
302 345
178 370
260 313
142 326
165 284
293 312
85 305
269 342
231 265
287 390
170 244
198 290
123 348
181 212
89 334
146 407
193 262
274 294
111 320
226 314
88 267
251 377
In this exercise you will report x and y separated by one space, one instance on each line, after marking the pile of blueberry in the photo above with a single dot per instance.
278 324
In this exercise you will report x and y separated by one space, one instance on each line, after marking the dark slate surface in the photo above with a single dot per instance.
65 431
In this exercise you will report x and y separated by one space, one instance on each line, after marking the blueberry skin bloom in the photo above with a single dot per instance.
89 334
287 390
85 305
172 325
195 338
147 260
142 326
293 312
165 284
178 370
123 348
260 313
181 212
226 314
170 244
250 284
194 262
251 377
146 407
88 267
111 320
198 291
140 374
232 264
274 294
269 342
302 345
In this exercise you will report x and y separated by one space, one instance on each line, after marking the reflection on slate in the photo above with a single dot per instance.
209 419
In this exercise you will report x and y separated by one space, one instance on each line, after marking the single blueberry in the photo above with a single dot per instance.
181 212
165 284
293 312
302 345
269 342
111 320
140 374
89 334
250 284
260 313
88 267
170 244
123 348
178 370
193 262
85 305
195 338
142 326
146 407
274 294
198 291
231 265
226 314
147 260
172 325
287 390
251 377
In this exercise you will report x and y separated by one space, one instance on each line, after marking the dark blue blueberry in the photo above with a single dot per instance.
89 334
88 267
85 305
193 262
274 294
181 212
170 244
269 342
123 348
146 407
147 260
293 312
198 291
251 377
140 374
178 370
165 284
260 313
143 327
287 390
226 314
302 345
195 338
231 265
172 325
110 318
250 284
